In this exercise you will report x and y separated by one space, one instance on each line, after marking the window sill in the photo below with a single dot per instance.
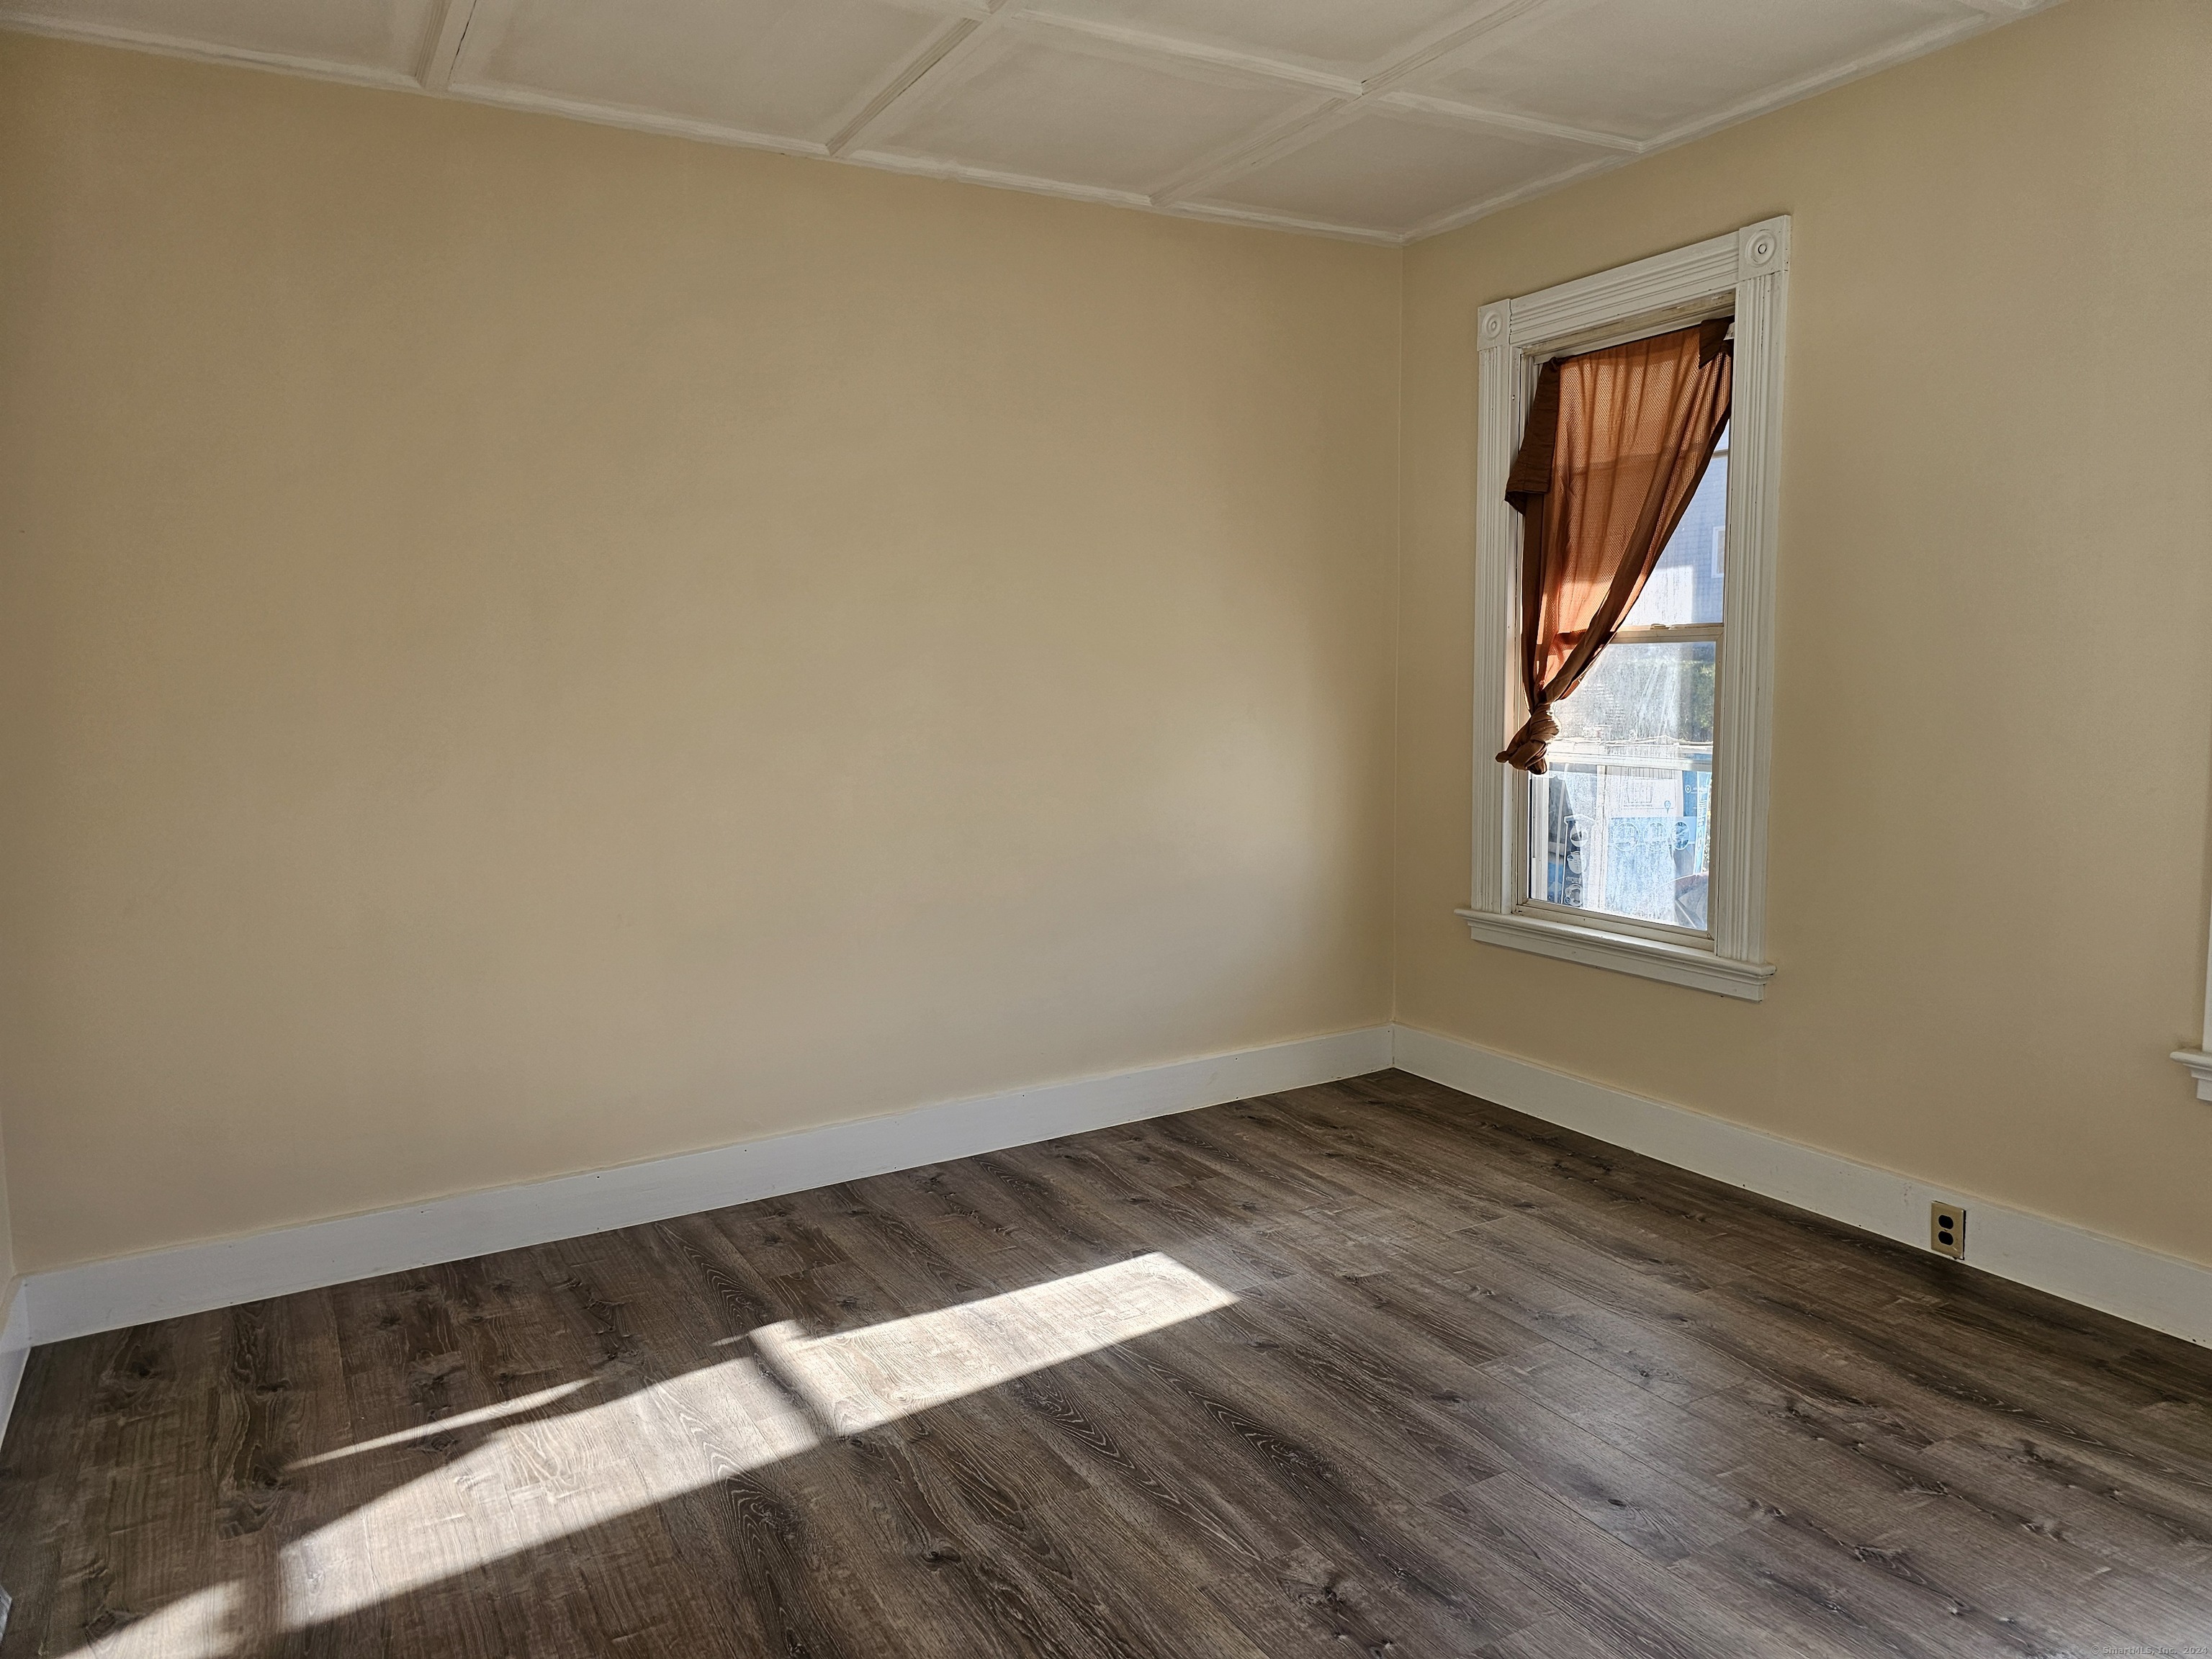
1623 953
2200 1067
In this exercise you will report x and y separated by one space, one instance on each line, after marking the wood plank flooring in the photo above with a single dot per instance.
1372 1368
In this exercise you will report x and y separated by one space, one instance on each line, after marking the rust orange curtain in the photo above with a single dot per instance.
1616 442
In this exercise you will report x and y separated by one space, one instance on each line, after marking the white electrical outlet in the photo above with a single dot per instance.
1946 1230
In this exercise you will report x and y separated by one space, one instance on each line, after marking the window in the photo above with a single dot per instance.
1642 848
1621 825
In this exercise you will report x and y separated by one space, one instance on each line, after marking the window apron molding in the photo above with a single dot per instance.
1746 274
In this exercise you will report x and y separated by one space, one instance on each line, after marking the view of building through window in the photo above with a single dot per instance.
1622 823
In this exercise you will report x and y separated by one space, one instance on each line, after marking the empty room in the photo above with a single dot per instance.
1105 829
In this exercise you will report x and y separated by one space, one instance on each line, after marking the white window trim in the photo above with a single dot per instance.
1749 272
2199 1061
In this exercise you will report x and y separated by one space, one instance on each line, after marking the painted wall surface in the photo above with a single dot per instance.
526 647
1993 710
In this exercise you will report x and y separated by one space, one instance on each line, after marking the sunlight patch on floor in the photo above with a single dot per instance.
859 1380
198 1626
532 1482
515 1407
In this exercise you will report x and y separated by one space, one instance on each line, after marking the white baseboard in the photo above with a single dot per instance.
2134 1283
126 1290
15 1352
2128 1280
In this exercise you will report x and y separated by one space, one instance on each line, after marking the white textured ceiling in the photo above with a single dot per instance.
1381 119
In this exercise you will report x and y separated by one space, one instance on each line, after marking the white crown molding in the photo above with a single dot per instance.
2128 1282
931 166
632 120
201 51
1227 213
1773 98
125 1290
1604 162
678 126
923 167
462 42
462 35
490 16
1761 103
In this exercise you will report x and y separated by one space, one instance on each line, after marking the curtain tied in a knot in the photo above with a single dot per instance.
1527 749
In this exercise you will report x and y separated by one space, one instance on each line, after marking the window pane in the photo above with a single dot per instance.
1686 584
1622 823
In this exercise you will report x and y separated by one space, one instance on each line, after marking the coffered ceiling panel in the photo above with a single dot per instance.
1387 171
782 68
1640 67
1378 119
1055 105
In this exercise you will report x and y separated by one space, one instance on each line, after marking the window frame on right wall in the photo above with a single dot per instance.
1745 275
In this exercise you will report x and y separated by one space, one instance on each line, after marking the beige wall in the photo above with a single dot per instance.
1993 711
524 647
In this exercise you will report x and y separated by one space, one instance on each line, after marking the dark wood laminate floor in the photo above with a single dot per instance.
1371 1368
